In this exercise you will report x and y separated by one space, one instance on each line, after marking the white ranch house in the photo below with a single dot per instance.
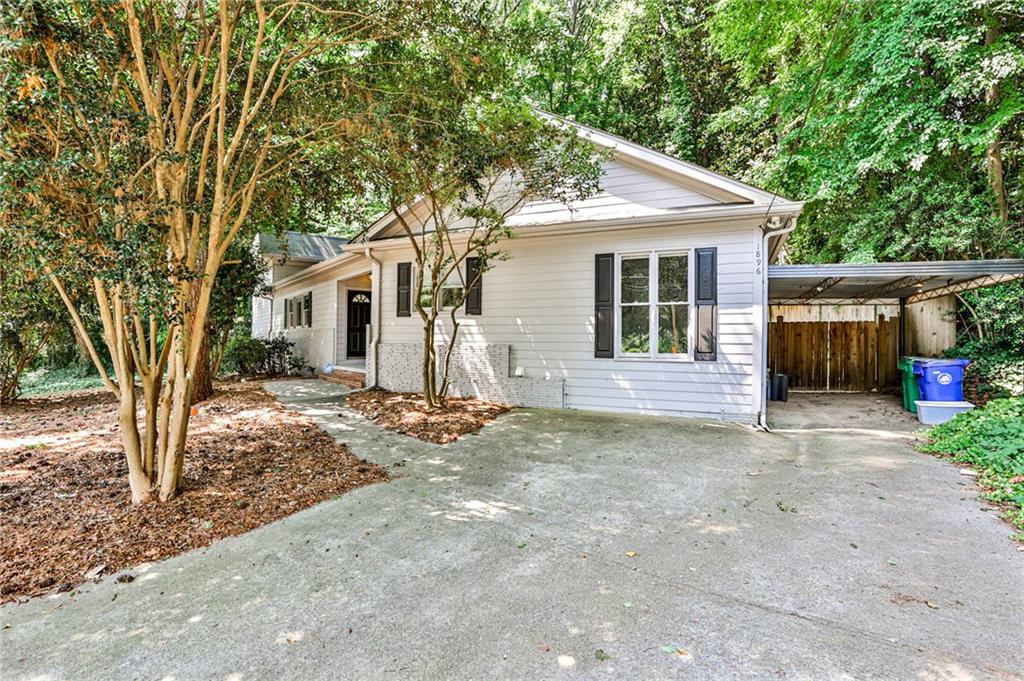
650 297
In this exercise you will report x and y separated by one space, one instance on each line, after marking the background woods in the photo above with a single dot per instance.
911 150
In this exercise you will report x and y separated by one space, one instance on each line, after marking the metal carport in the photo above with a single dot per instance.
860 284
862 353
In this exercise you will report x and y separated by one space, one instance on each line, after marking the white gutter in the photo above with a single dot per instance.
375 274
762 366
561 228
712 214
313 270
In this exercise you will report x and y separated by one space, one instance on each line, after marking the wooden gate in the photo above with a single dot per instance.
841 356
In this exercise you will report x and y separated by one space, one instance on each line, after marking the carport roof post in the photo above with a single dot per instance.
889 282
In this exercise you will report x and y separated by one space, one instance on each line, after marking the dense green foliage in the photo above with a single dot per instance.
911 99
242 277
268 357
992 440
992 320
33 327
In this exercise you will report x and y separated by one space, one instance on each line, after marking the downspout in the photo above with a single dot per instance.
375 275
762 399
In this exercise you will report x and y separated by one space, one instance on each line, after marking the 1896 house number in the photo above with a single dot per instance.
757 257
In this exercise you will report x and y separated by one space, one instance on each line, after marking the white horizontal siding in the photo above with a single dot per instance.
315 344
626 191
541 303
262 312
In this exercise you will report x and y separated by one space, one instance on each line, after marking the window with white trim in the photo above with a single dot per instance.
653 297
298 311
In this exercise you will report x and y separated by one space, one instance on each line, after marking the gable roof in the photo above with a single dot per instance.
661 187
683 170
300 246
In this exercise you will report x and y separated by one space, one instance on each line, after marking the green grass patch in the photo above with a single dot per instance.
47 381
991 439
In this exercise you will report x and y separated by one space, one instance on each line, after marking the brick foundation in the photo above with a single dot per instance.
481 371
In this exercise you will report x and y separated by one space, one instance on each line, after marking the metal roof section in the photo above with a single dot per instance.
857 284
302 247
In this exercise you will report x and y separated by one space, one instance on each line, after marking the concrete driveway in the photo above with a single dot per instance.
803 554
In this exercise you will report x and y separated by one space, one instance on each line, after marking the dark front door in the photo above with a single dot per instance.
358 318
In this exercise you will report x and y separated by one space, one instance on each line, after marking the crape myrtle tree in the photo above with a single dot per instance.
138 139
454 165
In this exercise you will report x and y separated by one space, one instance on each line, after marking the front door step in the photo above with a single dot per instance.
352 379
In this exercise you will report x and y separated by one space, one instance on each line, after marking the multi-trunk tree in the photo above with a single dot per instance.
452 166
453 204
137 140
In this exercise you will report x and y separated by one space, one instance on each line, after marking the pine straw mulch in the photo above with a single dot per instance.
65 511
407 413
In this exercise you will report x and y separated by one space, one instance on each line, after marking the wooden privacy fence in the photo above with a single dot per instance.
841 356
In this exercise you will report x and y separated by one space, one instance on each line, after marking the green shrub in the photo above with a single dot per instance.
244 355
994 372
262 357
992 440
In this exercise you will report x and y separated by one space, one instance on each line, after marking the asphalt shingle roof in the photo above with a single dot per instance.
302 246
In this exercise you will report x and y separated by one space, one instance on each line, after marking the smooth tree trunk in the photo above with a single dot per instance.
151 401
138 480
429 368
202 389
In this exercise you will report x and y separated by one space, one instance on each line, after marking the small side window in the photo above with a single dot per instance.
449 294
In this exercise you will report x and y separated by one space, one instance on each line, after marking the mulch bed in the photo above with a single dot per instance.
65 511
407 413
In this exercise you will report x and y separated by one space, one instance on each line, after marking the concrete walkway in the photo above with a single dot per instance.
805 554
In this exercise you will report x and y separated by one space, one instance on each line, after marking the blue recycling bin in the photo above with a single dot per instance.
941 380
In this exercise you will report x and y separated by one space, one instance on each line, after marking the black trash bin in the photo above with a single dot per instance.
780 387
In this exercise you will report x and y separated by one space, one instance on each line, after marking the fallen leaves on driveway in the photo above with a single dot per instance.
677 651
902 599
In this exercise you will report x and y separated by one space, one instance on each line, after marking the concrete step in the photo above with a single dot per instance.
346 377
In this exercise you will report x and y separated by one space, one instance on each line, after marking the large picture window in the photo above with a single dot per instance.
654 304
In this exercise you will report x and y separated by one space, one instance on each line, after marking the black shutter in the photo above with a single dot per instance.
706 302
604 305
475 296
404 289
307 309
287 312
